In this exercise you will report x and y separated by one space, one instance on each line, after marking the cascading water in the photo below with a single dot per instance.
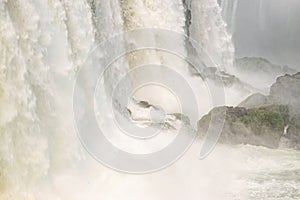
209 29
43 44
229 13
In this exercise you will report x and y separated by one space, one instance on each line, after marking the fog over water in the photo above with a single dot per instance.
270 29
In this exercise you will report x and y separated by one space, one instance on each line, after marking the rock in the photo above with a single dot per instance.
291 137
259 72
262 126
188 16
286 90
143 114
222 78
255 100
262 65
270 120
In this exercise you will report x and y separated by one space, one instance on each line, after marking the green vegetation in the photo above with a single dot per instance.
276 116
295 121
205 118
271 116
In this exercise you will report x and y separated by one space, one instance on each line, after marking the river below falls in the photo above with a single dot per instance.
240 172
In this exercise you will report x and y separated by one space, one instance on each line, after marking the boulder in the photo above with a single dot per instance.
262 126
269 121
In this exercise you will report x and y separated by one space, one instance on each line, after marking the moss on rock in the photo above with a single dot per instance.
262 126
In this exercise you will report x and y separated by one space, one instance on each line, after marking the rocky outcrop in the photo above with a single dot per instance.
143 114
259 72
255 100
223 79
286 90
262 66
269 121
256 126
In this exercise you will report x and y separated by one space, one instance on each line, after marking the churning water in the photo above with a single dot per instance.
43 44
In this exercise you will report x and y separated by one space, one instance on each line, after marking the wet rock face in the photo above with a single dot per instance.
257 126
265 120
255 100
188 16
287 90
291 138
260 72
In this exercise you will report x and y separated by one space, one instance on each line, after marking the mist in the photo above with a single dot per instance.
269 29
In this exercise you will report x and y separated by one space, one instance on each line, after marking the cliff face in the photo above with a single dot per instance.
287 90
269 121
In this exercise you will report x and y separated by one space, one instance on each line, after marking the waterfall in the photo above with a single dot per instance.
209 29
44 44
229 13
